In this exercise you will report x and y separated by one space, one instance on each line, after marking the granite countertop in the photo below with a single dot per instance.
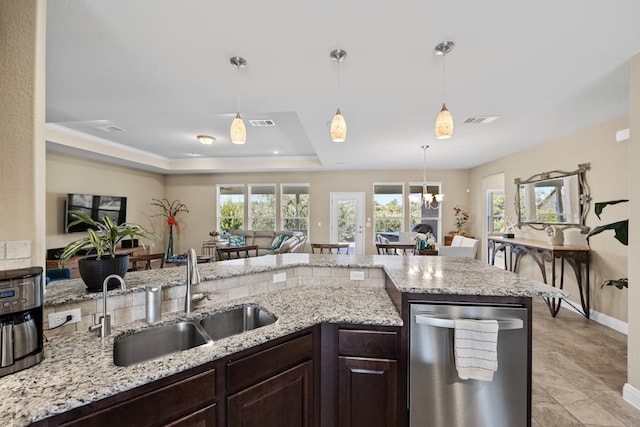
79 369
420 274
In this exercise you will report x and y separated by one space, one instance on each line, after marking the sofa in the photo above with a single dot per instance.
460 247
294 241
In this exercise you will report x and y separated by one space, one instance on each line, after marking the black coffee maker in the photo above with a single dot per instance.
20 319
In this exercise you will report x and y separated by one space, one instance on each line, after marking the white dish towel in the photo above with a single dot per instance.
476 348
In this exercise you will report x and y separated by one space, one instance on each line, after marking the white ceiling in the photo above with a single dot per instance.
160 70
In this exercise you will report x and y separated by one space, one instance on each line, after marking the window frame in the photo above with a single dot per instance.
249 203
402 215
435 187
219 205
306 218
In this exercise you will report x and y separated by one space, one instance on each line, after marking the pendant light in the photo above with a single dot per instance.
206 139
428 198
444 120
338 124
238 129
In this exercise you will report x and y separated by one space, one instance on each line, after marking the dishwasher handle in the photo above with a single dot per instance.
438 322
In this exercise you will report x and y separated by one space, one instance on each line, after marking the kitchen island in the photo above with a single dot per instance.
78 369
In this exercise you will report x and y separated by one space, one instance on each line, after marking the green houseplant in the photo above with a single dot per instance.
621 229
101 242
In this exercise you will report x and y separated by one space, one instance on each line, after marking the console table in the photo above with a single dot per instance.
231 252
577 257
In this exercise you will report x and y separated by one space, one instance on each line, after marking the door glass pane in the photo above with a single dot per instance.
496 212
347 221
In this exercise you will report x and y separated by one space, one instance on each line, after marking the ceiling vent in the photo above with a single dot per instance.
261 123
111 128
481 119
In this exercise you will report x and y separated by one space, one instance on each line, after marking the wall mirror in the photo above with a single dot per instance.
554 198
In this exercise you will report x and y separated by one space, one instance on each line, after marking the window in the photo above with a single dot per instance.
495 214
388 210
262 207
230 207
294 209
421 214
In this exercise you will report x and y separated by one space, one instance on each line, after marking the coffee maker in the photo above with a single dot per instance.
20 319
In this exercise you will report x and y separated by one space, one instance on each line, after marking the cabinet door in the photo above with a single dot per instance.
284 400
367 392
206 417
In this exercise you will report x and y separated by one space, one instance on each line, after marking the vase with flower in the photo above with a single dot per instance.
170 210
461 217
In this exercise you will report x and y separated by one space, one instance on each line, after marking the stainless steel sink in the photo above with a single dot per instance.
166 339
236 321
157 341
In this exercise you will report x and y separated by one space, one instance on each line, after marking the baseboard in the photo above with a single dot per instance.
603 319
631 395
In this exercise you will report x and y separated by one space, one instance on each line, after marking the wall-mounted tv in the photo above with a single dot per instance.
97 207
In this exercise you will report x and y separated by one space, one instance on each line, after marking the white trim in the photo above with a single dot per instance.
603 319
631 395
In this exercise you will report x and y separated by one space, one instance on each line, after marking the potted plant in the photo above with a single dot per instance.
101 243
621 229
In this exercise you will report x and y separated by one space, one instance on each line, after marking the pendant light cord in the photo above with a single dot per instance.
338 82
424 164
444 76
238 91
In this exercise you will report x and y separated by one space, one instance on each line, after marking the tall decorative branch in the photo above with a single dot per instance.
170 210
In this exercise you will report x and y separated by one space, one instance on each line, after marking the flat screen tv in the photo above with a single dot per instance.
95 206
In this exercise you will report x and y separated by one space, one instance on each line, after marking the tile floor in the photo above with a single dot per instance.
579 369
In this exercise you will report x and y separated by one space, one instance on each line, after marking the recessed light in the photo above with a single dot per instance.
206 139
276 152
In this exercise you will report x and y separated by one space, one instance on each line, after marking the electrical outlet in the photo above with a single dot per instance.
57 319
356 275
279 277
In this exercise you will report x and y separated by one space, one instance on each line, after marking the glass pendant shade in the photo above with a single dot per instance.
439 197
238 130
444 123
338 127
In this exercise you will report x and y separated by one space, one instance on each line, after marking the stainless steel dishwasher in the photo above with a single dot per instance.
438 397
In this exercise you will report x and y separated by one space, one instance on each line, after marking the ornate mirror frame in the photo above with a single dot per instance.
582 198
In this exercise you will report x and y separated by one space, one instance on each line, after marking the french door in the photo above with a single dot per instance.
347 220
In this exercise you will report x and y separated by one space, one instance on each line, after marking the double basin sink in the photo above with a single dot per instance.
174 337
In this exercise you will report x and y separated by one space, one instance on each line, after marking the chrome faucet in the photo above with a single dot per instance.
193 278
104 324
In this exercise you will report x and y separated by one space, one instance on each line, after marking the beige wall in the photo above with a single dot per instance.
22 149
608 180
70 174
634 219
198 193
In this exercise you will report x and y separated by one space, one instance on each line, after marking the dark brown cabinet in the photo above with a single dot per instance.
187 401
273 387
368 384
367 392
284 400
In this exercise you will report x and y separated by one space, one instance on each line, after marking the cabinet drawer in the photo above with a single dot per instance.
374 344
247 371
157 407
